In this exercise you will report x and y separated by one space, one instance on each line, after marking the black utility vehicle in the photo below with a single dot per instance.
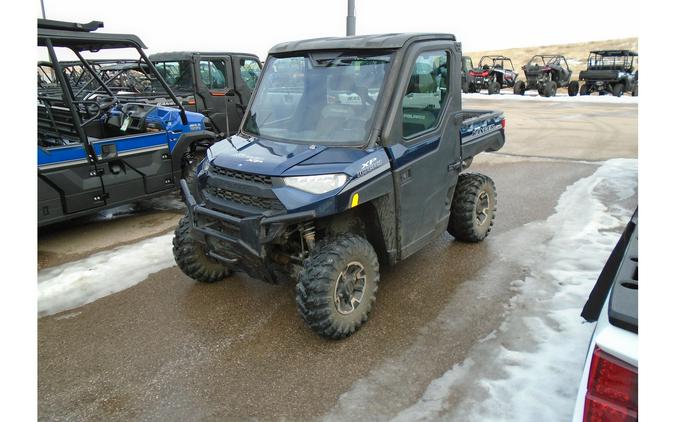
493 73
349 157
547 73
610 71
95 151
467 81
218 85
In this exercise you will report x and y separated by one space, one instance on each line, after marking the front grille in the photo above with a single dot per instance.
240 175
244 199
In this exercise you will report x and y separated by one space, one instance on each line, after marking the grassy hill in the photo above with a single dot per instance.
576 54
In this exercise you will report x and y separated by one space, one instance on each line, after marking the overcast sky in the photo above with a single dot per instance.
256 25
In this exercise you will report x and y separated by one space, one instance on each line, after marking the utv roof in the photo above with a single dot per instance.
611 53
80 37
497 57
187 55
360 42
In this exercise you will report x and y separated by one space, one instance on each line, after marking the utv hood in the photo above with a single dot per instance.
274 158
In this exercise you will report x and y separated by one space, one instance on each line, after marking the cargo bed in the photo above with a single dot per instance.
481 130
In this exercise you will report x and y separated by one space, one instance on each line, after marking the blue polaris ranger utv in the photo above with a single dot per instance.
350 155
94 151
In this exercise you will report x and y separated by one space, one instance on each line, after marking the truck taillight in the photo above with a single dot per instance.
612 393
503 123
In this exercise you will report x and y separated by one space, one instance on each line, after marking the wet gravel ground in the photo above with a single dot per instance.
171 349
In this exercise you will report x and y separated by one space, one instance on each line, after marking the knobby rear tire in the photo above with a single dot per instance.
464 215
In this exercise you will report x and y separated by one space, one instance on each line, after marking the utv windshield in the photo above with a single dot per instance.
323 98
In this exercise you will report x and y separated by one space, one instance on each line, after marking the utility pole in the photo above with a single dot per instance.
42 4
351 19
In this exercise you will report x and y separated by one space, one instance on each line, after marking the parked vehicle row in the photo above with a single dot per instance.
112 132
218 85
608 72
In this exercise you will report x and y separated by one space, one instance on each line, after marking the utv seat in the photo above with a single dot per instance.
334 117
55 123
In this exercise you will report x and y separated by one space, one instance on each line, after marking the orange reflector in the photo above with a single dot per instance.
355 199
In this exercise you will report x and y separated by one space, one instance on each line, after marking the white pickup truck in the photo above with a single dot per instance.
609 385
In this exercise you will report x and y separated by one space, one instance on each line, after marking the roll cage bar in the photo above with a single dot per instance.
494 60
611 60
80 37
545 58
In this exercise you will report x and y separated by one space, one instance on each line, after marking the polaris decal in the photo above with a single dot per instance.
482 131
369 166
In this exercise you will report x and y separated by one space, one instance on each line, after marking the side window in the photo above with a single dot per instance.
426 93
178 75
250 72
213 74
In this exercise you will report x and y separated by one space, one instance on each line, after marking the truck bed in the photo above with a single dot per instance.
481 130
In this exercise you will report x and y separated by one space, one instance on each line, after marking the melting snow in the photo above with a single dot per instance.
77 283
542 344
532 95
529 368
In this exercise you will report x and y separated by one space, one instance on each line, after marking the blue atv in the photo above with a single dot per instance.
94 151
349 156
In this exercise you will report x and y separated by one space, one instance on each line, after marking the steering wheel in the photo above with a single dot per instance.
97 107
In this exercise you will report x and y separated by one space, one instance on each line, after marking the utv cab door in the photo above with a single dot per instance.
216 88
426 156
248 72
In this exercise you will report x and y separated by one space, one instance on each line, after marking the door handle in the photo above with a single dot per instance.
406 176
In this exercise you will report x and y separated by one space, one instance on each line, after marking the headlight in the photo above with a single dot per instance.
206 163
318 184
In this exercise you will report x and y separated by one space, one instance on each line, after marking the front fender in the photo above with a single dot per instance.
185 141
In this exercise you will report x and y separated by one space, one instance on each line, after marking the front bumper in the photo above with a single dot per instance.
238 242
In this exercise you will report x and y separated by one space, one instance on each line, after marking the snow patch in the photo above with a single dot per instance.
541 346
529 367
74 284
560 97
